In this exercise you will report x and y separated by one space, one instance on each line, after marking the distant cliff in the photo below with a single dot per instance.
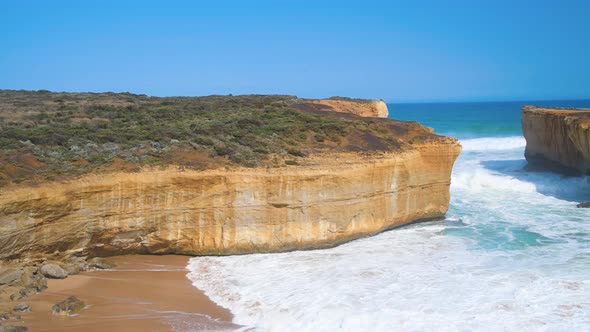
360 107
557 138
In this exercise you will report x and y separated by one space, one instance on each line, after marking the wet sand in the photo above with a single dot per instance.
143 293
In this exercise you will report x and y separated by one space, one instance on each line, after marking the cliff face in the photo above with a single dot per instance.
557 137
365 108
239 174
329 200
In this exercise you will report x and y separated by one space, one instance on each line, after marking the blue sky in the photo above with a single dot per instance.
396 50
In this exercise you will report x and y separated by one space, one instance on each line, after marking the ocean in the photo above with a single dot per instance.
513 253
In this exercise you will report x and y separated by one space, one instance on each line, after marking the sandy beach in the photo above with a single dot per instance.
143 293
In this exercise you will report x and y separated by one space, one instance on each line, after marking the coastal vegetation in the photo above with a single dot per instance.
51 135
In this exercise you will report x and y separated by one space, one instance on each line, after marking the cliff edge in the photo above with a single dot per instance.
326 201
360 107
110 174
85 175
557 138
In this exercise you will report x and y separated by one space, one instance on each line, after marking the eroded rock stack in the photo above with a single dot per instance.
557 138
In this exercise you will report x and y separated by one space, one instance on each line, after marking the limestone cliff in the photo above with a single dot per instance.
84 175
360 107
124 173
325 201
557 137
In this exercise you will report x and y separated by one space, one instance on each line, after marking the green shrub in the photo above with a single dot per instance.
63 128
295 152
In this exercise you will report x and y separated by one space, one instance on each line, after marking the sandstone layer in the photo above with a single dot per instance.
326 201
557 138
360 107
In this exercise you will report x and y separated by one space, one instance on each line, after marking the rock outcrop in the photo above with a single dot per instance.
335 177
10 276
67 307
101 263
557 138
327 200
23 306
12 328
360 107
22 278
53 271
306 180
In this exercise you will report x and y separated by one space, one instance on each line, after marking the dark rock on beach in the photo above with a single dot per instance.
30 281
584 205
33 279
75 265
101 263
10 276
12 328
21 279
23 306
68 306
53 271
22 293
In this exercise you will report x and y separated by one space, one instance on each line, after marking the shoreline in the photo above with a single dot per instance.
143 293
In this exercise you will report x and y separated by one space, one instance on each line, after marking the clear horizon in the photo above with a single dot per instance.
423 52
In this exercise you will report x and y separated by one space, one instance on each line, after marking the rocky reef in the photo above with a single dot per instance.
557 138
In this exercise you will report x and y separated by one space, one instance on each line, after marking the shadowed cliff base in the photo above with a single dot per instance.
539 163
558 139
565 187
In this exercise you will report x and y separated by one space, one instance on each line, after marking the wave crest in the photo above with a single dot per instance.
493 143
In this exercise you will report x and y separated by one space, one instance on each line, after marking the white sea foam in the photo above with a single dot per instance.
513 254
493 143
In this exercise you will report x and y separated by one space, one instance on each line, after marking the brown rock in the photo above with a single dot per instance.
53 271
558 139
23 306
330 200
584 205
32 278
13 328
360 107
74 265
68 306
22 293
5 313
10 276
101 263
6 292
72 269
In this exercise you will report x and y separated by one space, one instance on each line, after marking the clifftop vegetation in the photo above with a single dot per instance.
51 135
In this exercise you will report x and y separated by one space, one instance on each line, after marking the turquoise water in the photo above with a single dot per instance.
492 164
471 120
513 253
